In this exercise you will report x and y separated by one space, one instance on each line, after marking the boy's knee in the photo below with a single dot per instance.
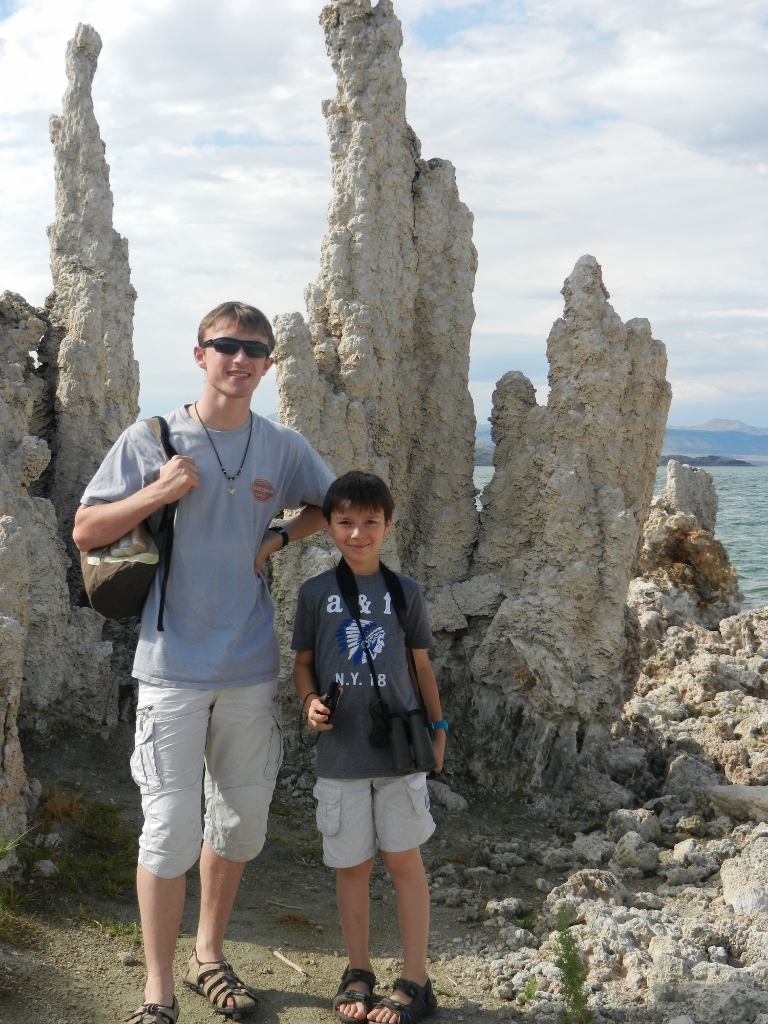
357 871
407 864
236 820
172 835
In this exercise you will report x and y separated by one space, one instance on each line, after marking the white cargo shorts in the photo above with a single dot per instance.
235 732
353 813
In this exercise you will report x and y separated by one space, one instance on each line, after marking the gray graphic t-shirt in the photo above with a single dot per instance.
323 625
219 615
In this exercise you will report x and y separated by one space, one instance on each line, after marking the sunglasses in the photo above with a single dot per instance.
231 346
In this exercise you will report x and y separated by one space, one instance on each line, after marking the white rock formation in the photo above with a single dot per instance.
59 413
683 573
51 651
88 356
691 491
377 379
560 524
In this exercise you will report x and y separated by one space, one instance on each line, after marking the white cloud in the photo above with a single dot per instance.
635 132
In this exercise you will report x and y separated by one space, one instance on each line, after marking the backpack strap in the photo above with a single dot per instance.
159 427
395 588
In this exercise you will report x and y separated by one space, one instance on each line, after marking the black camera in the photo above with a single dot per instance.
333 697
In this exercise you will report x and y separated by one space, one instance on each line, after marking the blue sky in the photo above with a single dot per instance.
634 132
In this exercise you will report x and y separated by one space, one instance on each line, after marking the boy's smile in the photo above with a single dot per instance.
234 376
358 533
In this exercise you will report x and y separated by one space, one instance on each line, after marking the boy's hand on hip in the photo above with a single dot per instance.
317 715
177 477
438 742
270 543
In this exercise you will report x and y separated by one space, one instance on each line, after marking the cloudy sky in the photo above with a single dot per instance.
634 131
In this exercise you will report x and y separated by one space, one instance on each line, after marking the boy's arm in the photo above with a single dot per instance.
305 681
308 521
431 698
99 525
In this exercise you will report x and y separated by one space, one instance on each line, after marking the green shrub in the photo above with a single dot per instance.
573 973
529 991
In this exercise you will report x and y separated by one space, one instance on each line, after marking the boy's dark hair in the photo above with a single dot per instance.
359 490
243 316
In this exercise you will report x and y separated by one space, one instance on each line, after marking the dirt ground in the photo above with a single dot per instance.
71 967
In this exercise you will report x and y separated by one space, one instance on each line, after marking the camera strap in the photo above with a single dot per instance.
348 586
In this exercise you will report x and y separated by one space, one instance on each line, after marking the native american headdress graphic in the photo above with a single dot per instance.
348 639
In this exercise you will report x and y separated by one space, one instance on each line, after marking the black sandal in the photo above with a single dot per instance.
423 1001
346 994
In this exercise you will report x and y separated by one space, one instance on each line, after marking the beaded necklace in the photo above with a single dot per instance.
231 479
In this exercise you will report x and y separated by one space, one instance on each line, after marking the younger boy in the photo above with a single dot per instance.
359 796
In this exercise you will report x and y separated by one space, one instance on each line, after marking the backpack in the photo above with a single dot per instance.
118 577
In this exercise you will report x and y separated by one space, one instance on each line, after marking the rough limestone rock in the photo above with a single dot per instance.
745 879
632 851
561 521
59 413
742 803
691 491
684 574
377 377
65 662
22 458
87 358
701 711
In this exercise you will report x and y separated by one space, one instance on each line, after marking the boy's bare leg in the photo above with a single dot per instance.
219 882
161 902
353 898
412 892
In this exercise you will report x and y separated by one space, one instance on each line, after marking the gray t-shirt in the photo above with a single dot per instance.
323 625
219 617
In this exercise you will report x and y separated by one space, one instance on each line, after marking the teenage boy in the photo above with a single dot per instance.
208 681
359 797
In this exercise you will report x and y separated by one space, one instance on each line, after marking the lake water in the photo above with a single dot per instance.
742 522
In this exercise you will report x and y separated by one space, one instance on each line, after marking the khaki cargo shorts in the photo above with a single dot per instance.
353 814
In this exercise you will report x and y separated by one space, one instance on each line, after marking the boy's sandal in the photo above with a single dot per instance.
347 994
154 1013
422 1002
218 982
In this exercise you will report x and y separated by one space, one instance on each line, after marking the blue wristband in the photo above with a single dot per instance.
442 724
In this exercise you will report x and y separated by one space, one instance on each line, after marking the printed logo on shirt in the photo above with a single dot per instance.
262 490
348 638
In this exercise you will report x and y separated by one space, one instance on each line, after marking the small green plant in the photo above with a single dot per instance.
573 973
281 810
13 929
130 931
526 922
99 850
529 992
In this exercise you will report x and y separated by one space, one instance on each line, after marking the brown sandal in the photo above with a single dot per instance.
154 1013
218 982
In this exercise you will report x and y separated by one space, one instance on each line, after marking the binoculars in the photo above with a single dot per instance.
409 741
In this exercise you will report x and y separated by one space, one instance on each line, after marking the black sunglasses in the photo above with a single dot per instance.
231 346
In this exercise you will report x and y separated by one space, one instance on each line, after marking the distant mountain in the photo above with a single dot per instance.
714 442
737 425
743 428
727 438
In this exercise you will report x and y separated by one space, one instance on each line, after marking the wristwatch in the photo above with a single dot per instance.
442 724
283 533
